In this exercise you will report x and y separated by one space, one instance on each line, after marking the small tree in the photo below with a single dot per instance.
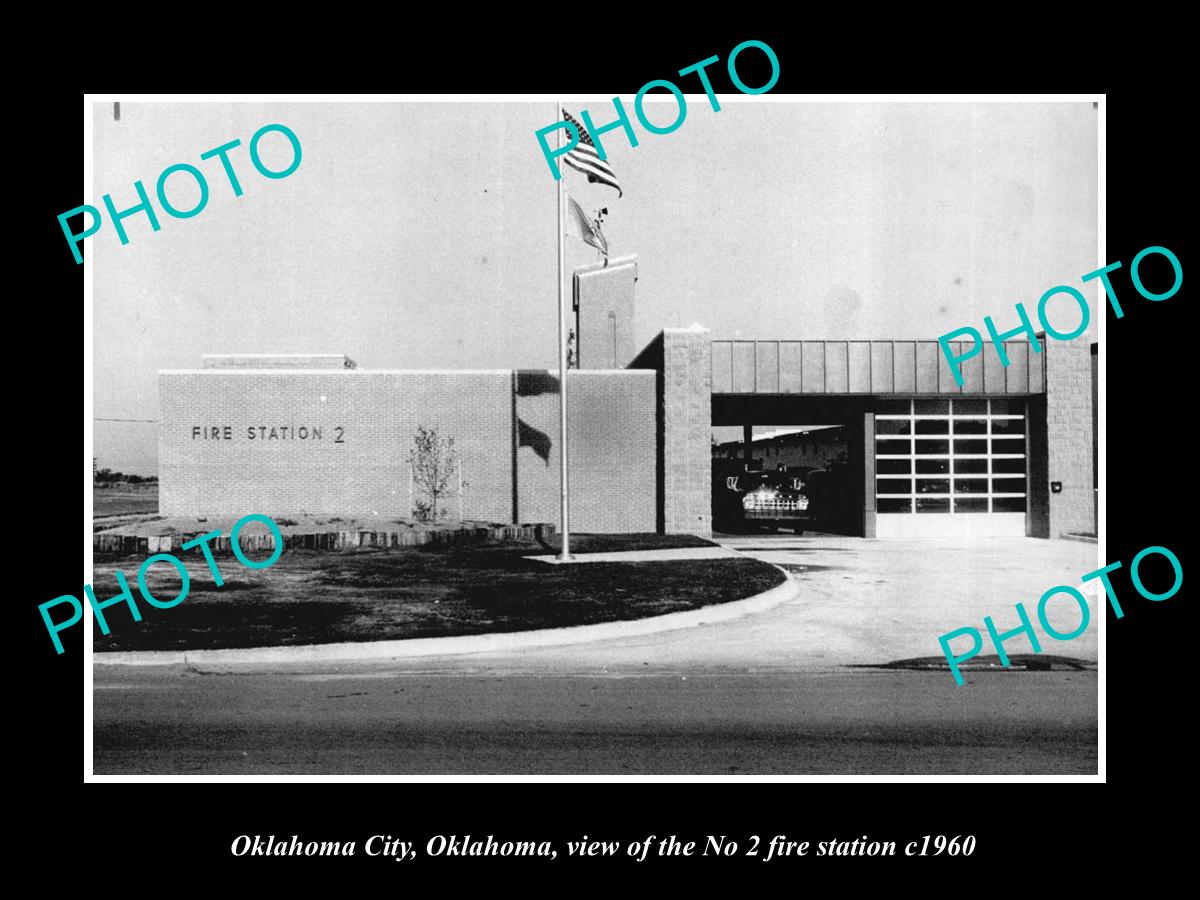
433 460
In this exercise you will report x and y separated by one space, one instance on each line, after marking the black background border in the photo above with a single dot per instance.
1146 447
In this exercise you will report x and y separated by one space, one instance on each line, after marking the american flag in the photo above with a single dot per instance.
585 158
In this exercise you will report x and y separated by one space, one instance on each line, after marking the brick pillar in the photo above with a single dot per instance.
865 423
687 432
1069 435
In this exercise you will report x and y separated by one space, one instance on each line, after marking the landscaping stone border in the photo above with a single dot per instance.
128 544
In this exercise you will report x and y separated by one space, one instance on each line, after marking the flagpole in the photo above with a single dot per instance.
565 553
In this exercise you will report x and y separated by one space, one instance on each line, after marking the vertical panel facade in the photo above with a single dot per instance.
859 366
791 367
766 379
883 380
837 367
744 375
904 367
813 367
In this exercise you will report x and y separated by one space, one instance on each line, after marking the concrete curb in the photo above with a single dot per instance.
474 643
674 554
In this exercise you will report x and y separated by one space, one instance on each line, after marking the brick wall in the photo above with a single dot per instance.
341 440
611 444
605 311
683 360
310 466
1069 436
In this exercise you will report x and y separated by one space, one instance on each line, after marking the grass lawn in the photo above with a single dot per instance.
121 498
430 591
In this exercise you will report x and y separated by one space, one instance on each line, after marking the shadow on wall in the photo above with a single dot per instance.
533 383
538 441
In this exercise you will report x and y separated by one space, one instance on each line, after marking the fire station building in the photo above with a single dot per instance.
1010 452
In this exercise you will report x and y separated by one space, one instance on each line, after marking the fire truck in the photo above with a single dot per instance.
746 496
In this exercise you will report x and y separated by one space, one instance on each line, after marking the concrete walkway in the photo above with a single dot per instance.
858 602
669 555
874 601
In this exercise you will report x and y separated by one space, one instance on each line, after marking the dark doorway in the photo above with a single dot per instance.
791 462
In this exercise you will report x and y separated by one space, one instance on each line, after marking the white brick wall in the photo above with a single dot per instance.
1069 435
687 457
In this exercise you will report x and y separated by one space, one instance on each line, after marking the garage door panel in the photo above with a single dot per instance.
952 467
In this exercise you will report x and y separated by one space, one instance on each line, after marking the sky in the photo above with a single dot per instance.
423 235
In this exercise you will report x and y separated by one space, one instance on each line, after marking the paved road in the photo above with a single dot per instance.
406 722
772 693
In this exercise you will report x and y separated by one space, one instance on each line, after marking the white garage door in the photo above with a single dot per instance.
952 467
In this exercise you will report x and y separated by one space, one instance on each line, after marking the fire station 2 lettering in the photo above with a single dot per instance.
336 434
